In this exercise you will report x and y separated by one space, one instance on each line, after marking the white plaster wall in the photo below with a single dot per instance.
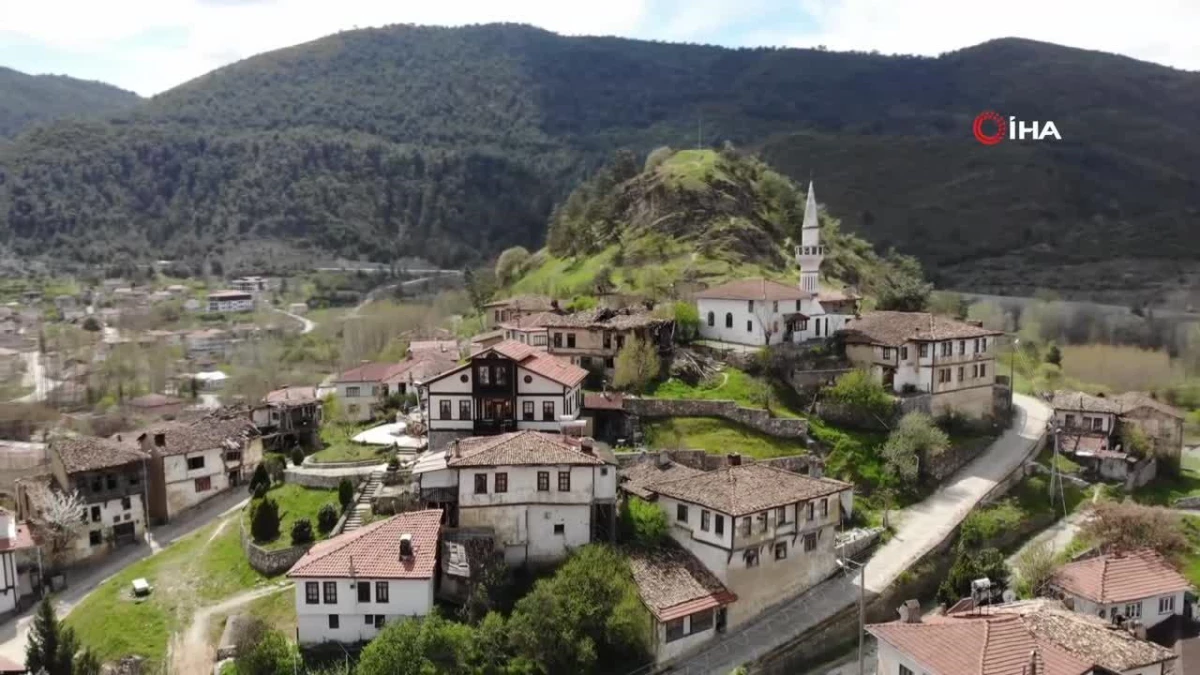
526 531
741 314
363 401
691 529
440 478
604 478
890 659
406 598
181 485
111 513
522 486
665 651
1106 424
8 598
435 408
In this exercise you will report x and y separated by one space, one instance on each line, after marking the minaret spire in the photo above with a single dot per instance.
810 253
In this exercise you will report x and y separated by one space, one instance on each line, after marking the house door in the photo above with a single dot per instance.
889 378
124 534
235 478
497 409
721 619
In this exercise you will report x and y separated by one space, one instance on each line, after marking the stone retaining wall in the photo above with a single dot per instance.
1187 503
846 416
325 482
267 562
707 461
760 420
956 457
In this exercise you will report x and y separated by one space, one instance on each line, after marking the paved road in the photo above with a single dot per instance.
14 633
921 527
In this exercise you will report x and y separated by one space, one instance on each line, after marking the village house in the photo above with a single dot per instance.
251 285
155 405
529 329
500 311
288 417
951 362
1090 429
230 301
1162 424
763 312
208 343
593 338
482 341
1137 586
684 598
192 462
20 565
505 387
348 587
541 494
1032 637
363 388
111 480
766 533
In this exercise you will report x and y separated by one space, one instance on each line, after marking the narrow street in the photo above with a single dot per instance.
307 325
35 376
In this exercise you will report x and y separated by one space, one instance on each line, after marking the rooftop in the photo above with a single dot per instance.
604 318
207 433
639 476
609 400
1132 400
754 289
1081 402
229 295
372 372
673 583
747 488
1120 577
291 396
88 453
893 329
373 552
537 361
528 303
518 448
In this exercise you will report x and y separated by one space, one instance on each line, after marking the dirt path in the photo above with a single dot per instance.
191 654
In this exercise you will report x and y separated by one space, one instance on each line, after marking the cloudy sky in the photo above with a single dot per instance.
149 46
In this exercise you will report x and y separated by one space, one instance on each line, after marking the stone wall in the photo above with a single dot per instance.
1141 473
955 457
1187 503
812 379
322 481
847 416
267 562
760 420
706 461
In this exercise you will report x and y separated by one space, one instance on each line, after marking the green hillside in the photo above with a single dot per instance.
29 99
454 143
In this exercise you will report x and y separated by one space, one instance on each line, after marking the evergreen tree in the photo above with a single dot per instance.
54 649
327 518
260 478
345 493
264 520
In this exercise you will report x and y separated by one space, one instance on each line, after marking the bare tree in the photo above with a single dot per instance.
60 521
768 321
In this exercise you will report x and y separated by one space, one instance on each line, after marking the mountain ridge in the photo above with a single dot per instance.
26 99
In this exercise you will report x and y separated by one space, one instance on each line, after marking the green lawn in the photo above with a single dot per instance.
277 610
1065 464
347 451
730 385
719 436
1164 490
295 502
196 571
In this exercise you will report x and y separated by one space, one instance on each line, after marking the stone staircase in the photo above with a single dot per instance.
362 508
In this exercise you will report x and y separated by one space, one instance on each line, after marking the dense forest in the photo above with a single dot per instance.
28 99
453 144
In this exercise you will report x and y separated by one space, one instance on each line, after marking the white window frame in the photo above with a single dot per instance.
1166 605
1133 610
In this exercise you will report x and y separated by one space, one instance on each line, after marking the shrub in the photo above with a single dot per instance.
260 478
687 322
327 518
260 490
264 520
916 438
860 392
302 532
345 493
637 365
276 467
511 264
1128 527
297 456
644 523
1034 567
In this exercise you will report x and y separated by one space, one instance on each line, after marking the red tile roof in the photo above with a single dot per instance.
372 372
754 289
517 448
517 351
609 400
1120 577
373 552
533 359
24 539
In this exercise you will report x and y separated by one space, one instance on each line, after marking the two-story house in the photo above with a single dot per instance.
208 342
593 338
1138 585
1162 424
363 388
288 417
505 387
110 478
529 329
951 361
230 301
1084 426
765 533
348 587
541 494
192 462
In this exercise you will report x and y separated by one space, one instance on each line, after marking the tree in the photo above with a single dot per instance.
637 365
297 456
1134 440
1127 526
60 522
302 532
644 523
91 324
1054 356
948 303
54 649
858 391
419 647
511 264
276 468
264 520
345 493
262 650
915 439
687 322
480 284
327 518
656 157
903 287
1034 567
971 564
261 477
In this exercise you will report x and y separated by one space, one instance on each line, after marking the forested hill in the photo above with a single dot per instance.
29 99
455 143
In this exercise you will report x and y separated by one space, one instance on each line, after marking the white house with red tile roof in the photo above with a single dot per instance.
348 587
1139 585
760 311
505 387
541 494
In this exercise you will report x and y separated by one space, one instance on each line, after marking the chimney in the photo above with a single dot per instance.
1031 666
977 324
664 459
406 549
454 449
735 459
910 612
587 445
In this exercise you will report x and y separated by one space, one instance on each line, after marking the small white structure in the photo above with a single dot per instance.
230 301
390 435
348 587
1138 586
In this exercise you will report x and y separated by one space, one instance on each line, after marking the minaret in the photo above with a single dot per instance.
810 252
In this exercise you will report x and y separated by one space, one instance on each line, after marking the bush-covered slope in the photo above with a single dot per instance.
28 99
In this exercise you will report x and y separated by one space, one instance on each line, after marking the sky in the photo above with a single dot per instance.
149 46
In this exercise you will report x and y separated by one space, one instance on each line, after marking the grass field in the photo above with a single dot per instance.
347 451
277 610
720 436
729 385
1164 490
295 502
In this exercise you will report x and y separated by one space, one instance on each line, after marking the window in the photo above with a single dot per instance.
824 508
674 630
702 621
195 462
333 622
762 521
1101 612
527 411
204 484
751 557
984 344
364 591
381 591
369 620
375 391
160 440
444 410
501 482
749 305
719 527
976 345
95 514
811 513
681 513
110 481
711 321
560 528
464 410
481 483
962 373
749 326
962 347
947 349
134 480
904 353
312 593
95 538
1166 605
233 456
353 392
379 620
781 550
548 411
609 363
705 520
810 542
887 354
558 339
983 370
331 592
501 378
116 519
620 342
781 515
924 350
1133 610
608 335
1070 420
570 341
729 319
975 371
125 503
543 481
1098 423
904 670
775 307
483 375
564 481
746 526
